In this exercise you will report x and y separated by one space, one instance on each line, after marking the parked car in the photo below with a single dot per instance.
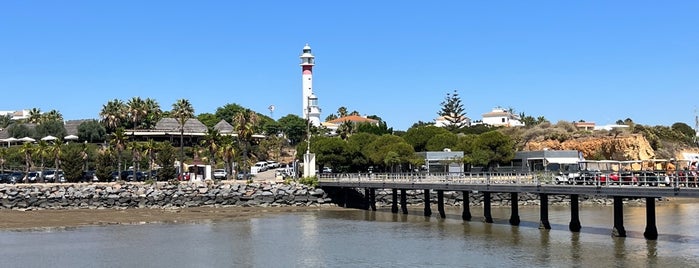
271 164
244 176
183 176
114 177
130 175
327 170
16 177
89 176
51 175
33 176
259 167
220 174
4 177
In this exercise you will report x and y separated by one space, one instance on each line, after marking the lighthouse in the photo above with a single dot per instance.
311 111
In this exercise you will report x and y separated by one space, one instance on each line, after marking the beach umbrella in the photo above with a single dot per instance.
9 140
27 139
71 137
49 138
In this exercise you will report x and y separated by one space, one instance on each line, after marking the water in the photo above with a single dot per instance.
355 238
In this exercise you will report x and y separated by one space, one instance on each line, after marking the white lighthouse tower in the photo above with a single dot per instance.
311 111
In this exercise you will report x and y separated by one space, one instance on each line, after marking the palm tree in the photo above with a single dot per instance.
112 114
85 155
137 110
56 150
118 140
227 152
153 113
210 142
3 154
346 129
342 112
27 149
34 116
182 110
135 148
149 149
42 149
52 115
245 124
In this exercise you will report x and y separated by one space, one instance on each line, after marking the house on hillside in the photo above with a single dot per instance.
444 121
355 119
501 117
584 125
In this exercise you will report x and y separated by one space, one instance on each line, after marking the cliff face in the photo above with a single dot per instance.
627 147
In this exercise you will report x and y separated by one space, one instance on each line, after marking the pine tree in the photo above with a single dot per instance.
453 111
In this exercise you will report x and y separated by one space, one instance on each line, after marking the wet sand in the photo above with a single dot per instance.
41 219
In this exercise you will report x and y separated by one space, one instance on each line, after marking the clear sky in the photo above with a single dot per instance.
597 61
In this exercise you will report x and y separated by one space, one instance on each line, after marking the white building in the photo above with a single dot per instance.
311 110
16 115
443 121
501 117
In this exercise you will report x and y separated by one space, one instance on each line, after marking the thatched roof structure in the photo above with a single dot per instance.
171 124
224 127
72 126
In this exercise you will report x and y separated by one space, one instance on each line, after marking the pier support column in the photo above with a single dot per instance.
544 212
428 210
488 217
651 232
372 199
618 230
440 204
345 197
514 204
574 225
394 205
403 201
367 199
466 214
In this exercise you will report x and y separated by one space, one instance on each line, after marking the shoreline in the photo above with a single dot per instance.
52 219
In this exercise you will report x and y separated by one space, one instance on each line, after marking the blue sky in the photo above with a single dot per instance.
565 60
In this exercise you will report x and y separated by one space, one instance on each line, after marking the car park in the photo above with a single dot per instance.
259 167
51 175
89 176
34 176
130 175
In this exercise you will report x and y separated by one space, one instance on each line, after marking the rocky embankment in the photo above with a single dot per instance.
160 195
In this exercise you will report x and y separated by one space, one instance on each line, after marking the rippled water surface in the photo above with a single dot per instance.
356 238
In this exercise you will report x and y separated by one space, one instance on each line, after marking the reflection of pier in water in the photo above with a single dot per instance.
487 183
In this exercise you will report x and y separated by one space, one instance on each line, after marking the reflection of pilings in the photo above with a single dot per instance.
345 197
651 232
514 216
574 225
428 210
544 212
372 199
466 214
394 206
403 201
618 230
440 204
486 208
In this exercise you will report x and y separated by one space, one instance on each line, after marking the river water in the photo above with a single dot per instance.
356 238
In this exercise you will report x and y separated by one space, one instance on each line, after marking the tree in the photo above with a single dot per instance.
442 141
228 112
166 160
208 119
227 152
41 151
491 148
27 149
149 149
104 164
52 115
153 113
182 110
72 163
118 142
245 124
419 136
453 111
210 142
92 131
3 156
294 128
683 129
112 114
56 151
137 110
53 128
17 130
5 121
330 117
135 149
377 150
34 116
329 151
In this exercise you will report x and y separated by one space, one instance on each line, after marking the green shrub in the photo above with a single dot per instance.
310 181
